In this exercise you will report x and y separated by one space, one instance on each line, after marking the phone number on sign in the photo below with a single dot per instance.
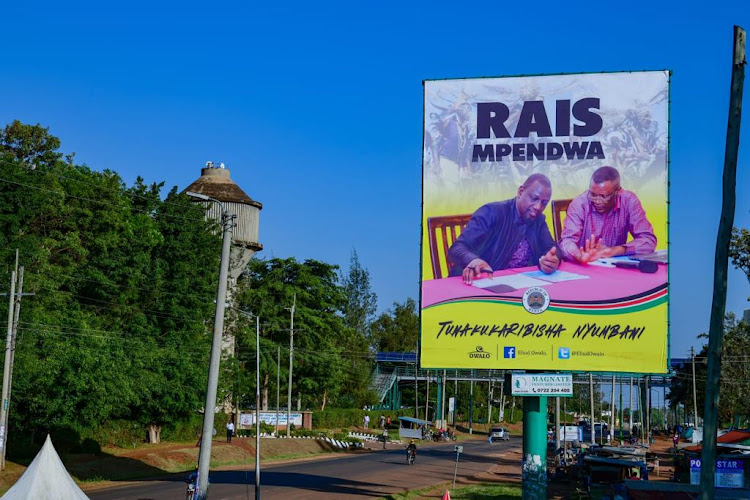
548 390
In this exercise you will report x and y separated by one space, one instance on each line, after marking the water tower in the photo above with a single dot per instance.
216 183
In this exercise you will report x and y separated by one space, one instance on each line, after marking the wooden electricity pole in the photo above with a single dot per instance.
716 328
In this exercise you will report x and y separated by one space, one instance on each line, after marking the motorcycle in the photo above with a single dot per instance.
410 456
192 486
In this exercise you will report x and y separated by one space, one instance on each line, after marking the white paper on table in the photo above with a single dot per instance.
513 280
556 276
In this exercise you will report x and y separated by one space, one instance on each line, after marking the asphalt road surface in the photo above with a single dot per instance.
373 475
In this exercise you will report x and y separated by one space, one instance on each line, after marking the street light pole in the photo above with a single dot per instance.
291 359
6 367
204 457
257 408
257 398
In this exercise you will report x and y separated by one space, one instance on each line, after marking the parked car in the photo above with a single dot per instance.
499 434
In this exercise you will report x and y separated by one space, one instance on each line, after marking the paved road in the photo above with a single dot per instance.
371 475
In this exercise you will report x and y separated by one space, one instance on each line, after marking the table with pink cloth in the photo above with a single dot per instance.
604 284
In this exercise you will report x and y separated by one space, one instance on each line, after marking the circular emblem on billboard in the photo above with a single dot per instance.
536 300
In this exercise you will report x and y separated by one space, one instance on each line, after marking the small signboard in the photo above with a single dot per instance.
571 433
729 473
248 419
459 449
542 384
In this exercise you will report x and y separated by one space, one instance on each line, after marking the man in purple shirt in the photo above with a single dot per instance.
598 221
507 234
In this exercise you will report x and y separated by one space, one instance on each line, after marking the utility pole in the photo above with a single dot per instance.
695 395
257 407
6 369
716 324
291 358
557 423
591 396
204 456
489 401
471 402
14 336
278 386
501 413
622 411
427 398
648 411
455 398
443 420
416 384
630 408
612 413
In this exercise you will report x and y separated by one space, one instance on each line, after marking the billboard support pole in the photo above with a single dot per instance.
716 328
534 463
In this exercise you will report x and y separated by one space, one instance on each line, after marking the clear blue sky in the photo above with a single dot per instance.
317 109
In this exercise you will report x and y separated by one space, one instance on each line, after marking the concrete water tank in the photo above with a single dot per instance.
216 182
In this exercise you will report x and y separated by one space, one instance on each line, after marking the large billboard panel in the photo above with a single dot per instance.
545 231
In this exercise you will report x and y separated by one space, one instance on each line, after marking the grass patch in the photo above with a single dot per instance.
481 491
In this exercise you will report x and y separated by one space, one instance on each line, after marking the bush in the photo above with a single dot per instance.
186 429
346 417
122 433
306 433
346 438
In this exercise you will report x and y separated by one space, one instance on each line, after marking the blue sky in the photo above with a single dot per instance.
317 109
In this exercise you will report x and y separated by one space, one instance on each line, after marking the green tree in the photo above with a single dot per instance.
361 301
734 392
739 250
123 287
396 329
30 144
268 289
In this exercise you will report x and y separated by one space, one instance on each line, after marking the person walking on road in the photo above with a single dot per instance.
366 421
230 431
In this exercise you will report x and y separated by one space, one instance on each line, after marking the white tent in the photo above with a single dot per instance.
45 479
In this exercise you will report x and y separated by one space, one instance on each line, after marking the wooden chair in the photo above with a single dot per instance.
558 207
443 232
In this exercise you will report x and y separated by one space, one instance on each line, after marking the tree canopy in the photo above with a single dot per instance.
123 285
124 280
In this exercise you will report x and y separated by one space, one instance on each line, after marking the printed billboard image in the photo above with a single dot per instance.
544 223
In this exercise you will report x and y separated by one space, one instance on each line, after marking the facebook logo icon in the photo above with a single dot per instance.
509 352
563 353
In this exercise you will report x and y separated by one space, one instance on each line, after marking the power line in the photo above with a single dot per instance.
90 184
102 202
118 307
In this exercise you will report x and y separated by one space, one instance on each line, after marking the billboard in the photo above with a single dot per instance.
545 223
